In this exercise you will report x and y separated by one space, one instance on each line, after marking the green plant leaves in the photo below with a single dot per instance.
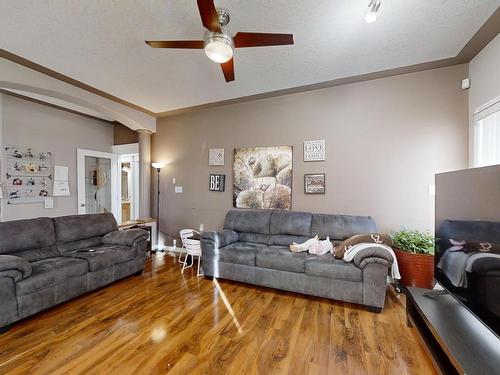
414 241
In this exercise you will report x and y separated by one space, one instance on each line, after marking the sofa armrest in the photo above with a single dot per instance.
124 237
220 239
486 266
15 267
373 255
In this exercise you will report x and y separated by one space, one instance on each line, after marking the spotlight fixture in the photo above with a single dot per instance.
373 8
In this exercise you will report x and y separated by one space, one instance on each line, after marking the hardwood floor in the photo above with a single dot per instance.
164 322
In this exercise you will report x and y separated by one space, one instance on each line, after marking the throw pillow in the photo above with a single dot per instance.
479 246
340 249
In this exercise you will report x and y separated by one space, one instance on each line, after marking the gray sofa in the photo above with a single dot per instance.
253 248
45 261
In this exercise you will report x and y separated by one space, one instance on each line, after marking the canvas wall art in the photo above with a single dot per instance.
263 177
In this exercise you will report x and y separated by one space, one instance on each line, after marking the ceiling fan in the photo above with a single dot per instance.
219 45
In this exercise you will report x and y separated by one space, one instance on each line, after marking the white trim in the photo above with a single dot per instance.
129 148
487 105
115 194
486 110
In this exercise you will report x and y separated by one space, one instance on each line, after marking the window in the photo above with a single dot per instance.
487 135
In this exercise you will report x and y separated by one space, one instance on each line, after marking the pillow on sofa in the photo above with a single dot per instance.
341 248
476 246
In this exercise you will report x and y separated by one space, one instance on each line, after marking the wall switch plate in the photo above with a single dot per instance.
432 189
178 189
465 83
173 180
48 202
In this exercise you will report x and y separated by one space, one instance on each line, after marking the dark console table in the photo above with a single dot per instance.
458 342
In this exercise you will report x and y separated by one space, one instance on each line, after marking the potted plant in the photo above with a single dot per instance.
415 254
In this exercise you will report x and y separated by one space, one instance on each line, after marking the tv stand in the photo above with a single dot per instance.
435 293
457 341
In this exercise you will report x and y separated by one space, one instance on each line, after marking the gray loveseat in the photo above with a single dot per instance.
253 248
44 261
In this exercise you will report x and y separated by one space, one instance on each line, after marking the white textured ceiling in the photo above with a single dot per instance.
101 43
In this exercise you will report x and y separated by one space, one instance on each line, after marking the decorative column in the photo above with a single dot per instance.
144 173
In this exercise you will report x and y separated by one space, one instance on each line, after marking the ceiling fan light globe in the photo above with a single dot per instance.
370 17
219 51
219 47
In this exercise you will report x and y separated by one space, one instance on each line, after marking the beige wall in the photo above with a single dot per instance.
29 124
385 140
484 72
123 135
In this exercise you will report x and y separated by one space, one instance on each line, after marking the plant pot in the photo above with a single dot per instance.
416 269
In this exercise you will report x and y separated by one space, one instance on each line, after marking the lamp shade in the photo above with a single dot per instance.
158 165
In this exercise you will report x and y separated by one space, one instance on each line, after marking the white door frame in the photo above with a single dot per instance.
134 179
115 194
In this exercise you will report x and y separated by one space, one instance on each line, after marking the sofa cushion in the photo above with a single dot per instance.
32 255
50 272
286 239
69 247
33 237
78 227
249 221
240 253
105 256
327 266
294 223
281 258
254 237
340 227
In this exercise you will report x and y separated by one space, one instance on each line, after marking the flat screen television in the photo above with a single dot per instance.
467 261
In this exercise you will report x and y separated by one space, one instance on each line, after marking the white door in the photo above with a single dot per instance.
98 182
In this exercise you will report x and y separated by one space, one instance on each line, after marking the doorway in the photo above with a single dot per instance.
129 170
97 182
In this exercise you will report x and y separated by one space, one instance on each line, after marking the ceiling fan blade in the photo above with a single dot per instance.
208 15
228 70
242 40
191 44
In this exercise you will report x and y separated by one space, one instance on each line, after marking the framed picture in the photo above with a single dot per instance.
314 150
217 182
262 178
314 183
216 156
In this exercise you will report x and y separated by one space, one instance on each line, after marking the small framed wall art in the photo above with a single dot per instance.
216 156
314 150
314 183
217 182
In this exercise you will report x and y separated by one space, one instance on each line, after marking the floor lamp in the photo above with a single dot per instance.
158 167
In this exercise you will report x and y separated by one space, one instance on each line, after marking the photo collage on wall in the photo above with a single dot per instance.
28 175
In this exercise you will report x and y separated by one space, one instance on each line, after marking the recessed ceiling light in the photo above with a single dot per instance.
373 8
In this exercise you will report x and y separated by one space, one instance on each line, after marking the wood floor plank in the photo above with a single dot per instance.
165 322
